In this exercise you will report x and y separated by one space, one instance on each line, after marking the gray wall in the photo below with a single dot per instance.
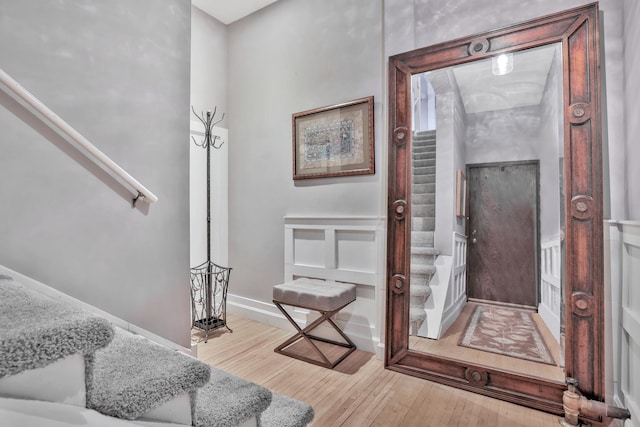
293 56
550 151
117 71
451 125
209 54
632 104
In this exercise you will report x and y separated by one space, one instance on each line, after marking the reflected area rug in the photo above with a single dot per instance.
506 331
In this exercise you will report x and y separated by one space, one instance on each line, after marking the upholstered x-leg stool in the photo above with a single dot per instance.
325 297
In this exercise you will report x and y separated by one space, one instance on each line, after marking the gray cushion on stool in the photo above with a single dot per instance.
316 294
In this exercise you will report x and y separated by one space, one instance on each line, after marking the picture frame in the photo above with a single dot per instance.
461 194
333 141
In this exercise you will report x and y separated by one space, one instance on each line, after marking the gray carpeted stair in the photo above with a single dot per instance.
419 293
423 213
127 375
227 400
43 330
286 412
133 376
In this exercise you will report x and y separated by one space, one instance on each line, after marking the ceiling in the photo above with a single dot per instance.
228 11
481 90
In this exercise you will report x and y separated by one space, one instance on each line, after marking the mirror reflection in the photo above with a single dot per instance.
487 226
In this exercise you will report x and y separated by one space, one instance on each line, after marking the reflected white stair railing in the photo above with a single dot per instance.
550 284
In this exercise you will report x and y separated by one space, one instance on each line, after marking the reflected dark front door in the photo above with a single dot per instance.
503 236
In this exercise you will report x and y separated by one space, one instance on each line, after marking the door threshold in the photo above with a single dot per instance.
502 304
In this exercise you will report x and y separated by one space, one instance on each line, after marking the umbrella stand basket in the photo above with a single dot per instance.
209 283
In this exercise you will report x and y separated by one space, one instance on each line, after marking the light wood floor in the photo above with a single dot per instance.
359 391
448 346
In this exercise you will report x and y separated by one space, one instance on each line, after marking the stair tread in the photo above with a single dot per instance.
227 400
422 250
420 290
43 330
133 375
422 269
417 314
286 412
424 170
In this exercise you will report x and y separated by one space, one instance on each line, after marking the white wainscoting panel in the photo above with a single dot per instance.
343 249
622 317
630 319
550 283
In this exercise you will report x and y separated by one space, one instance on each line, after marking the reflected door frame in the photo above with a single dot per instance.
498 240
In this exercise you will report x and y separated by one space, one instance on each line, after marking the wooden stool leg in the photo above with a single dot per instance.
302 333
325 316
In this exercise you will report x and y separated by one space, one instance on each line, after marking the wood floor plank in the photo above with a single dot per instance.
358 391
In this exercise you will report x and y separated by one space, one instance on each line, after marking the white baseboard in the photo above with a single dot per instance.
259 311
452 313
362 335
550 319
60 296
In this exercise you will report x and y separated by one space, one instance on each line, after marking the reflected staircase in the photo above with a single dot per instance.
423 208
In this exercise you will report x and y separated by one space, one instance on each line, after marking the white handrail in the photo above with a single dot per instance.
51 119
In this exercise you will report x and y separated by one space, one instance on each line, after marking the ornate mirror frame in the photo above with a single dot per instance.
578 32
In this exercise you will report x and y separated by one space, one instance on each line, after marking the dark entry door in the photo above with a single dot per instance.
503 232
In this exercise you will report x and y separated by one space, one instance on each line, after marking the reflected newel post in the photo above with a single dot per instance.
209 281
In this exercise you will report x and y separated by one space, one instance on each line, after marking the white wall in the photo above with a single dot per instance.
289 57
450 156
632 106
117 71
209 52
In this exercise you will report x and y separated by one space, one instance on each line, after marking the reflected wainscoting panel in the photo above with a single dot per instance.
550 285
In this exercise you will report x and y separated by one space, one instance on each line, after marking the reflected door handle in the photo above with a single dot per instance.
474 241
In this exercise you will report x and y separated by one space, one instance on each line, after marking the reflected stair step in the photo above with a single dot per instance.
423 199
424 179
419 163
424 170
423 211
423 223
420 291
426 188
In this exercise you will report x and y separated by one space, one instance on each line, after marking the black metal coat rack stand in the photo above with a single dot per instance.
209 281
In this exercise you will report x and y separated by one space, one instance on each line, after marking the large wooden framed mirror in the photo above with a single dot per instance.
494 247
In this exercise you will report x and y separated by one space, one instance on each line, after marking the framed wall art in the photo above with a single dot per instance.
334 141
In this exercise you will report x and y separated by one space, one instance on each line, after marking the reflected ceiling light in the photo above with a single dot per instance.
502 64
